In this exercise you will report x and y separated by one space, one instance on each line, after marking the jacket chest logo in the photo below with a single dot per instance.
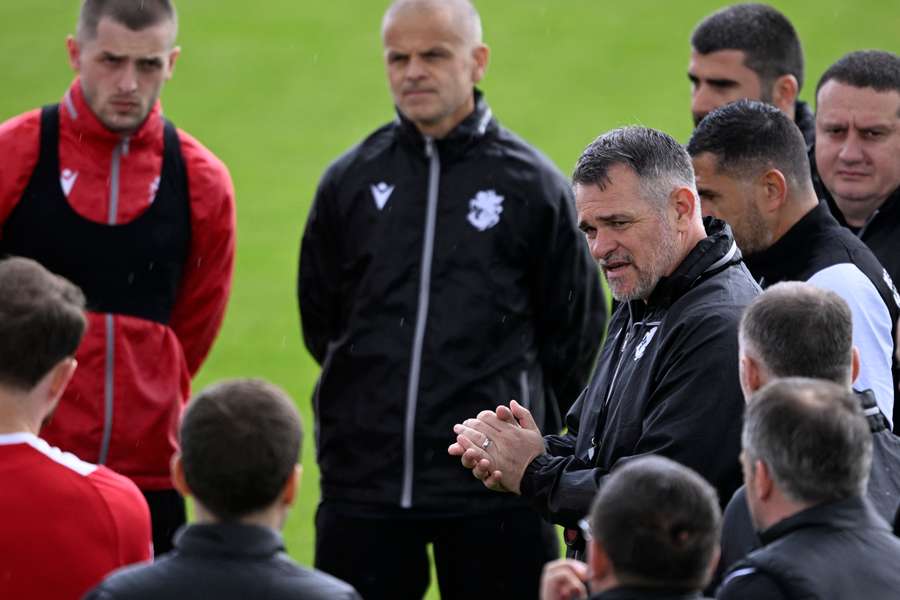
381 193
485 209
890 283
642 346
67 180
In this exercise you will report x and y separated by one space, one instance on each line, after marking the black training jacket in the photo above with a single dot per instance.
439 278
666 383
834 551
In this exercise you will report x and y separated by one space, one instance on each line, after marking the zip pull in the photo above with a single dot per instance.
429 146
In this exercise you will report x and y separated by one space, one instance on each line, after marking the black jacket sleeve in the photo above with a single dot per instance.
318 290
570 309
693 417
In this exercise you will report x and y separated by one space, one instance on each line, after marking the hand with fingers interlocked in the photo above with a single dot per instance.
498 445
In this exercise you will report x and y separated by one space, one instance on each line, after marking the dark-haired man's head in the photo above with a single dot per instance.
752 171
745 51
637 206
240 442
41 324
794 329
858 131
805 442
124 51
655 523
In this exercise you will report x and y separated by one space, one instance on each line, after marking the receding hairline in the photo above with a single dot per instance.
463 15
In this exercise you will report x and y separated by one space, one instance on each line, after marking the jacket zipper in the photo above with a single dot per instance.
525 397
109 370
412 392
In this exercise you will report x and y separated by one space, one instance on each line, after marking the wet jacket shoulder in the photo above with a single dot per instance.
855 556
666 383
514 307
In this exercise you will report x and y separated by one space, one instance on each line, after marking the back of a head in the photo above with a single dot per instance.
659 523
748 137
767 38
41 321
131 14
798 330
240 442
874 69
813 437
659 161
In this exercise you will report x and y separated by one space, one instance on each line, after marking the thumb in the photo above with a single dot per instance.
523 416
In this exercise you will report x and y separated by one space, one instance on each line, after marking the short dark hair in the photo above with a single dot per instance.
132 14
799 330
659 523
41 321
813 437
659 161
240 442
875 69
748 136
767 38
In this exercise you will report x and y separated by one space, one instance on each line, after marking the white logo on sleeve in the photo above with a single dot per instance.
154 187
67 180
381 193
485 209
890 283
642 347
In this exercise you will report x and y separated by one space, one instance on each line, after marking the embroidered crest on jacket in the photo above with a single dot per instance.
485 209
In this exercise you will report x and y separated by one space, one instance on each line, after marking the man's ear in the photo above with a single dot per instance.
763 481
784 93
481 54
58 378
176 466
173 56
291 486
751 378
686 206
854 365
774 190
74 51
598 561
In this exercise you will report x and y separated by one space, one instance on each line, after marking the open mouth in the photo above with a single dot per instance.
615 267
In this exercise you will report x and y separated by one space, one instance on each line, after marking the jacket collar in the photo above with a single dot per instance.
470 130
712 254
228 540
850 514
782 260
78 115
627 592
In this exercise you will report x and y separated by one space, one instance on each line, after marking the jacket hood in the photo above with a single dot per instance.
712 254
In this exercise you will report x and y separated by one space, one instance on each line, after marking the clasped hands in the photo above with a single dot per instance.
498 446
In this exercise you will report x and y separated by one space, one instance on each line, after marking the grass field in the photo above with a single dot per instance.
278 89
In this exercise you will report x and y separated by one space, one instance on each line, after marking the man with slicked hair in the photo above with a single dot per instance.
748 51
64 523
795 329
806 456
103 190
240 441
666 382
441 266
652 535
856 158
753 172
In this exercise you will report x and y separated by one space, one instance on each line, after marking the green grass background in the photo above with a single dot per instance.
279 88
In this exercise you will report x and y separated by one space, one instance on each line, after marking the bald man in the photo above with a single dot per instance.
441 269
